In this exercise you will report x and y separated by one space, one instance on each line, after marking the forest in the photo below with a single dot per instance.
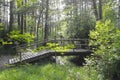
59 40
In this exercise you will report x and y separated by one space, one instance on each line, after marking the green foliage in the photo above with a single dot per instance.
21 38
1 30
56 47
78 26
1 27
47 72
63 49
105 38
109 12
103 34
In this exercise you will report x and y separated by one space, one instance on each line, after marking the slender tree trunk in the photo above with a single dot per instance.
119 9
119 14
0 12
11 15
100 9
39 19
22 27
46 22
19 25
22 22
25 24
95 9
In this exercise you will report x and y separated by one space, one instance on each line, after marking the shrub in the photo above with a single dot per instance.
21 38
105 38
56 47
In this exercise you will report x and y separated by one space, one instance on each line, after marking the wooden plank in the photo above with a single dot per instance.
31 57
27 56
17 59
24 57
12 61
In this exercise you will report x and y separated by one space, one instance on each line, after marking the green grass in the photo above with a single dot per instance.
48 72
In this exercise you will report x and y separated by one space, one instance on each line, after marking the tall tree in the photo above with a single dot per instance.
119 8
40 9
22 21
46 21
25 24
95 9
100 9
0 11
11 15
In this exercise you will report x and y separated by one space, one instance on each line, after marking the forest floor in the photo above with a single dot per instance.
4 60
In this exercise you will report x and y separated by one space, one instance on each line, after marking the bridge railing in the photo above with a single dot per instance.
78 43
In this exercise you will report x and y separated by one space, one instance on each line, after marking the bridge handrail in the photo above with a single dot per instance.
56 40
51 40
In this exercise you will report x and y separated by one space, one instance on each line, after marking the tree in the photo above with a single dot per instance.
11 15
46 22
100 9
95 9
79 18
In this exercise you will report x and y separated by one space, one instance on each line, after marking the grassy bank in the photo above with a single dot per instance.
48 72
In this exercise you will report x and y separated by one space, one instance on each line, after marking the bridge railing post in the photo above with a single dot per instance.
61 41
18 50
20 56
20 53
55 46
73 44
87 44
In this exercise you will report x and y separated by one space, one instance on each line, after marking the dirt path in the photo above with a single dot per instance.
4 60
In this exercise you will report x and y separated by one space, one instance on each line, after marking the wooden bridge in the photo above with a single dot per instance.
81 48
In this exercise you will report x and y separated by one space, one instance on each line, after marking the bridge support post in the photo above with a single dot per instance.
20 56
55 50
73 44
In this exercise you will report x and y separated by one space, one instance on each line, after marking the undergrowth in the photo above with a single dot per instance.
48 72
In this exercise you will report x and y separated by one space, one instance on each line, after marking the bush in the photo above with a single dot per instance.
21 38
56 47
105 38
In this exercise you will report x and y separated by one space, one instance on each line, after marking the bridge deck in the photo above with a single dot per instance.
45 53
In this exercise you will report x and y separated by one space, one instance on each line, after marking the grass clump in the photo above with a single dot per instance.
47 72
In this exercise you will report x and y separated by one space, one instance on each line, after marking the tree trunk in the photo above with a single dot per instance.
11 15
38 24
95 9
0 11
19 24
46 23
22 22
25 24
119 9
22 27
119 14
100 9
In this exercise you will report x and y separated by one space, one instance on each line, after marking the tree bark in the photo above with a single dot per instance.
119 9
11 15
25 24
22 22
39 19
19 21
100 9
0 12
46 23
95 9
